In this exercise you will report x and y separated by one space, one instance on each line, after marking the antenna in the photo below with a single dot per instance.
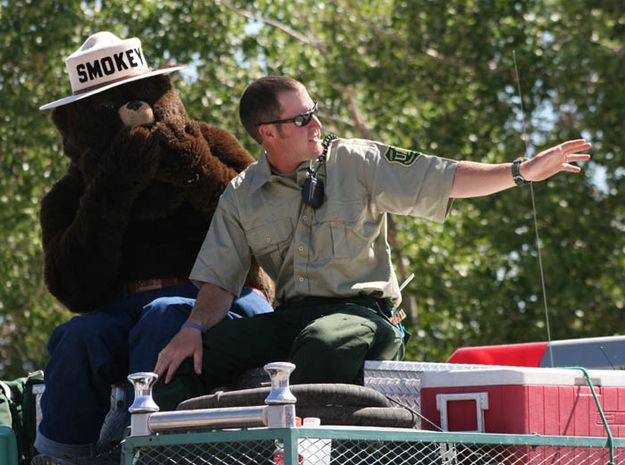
538 246
605 354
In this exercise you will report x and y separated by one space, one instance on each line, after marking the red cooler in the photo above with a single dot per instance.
542 401
524 401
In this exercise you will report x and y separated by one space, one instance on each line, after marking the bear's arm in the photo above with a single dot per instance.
225 159
226 147
82 234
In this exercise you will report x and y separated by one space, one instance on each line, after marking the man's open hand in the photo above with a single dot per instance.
556 159
187 343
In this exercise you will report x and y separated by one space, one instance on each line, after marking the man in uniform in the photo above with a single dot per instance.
328 253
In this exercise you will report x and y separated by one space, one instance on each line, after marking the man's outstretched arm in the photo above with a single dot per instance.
474 179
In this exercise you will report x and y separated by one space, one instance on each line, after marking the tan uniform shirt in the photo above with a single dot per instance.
338 250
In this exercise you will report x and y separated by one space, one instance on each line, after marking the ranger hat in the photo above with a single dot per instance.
105 61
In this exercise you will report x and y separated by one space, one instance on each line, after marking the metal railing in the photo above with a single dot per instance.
367 446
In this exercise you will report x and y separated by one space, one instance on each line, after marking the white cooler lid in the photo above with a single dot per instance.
520 376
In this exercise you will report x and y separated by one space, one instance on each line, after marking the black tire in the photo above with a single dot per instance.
334 404
307 394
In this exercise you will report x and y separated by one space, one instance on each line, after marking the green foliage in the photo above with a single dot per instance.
437 76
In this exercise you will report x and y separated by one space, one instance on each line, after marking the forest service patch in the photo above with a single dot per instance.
401 156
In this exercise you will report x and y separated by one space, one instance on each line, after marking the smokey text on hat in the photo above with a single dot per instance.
108 65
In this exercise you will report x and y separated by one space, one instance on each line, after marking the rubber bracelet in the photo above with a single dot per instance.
190 324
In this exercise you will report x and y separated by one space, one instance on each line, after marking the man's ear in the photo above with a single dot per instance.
267 131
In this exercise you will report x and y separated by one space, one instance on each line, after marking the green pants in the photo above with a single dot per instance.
327 339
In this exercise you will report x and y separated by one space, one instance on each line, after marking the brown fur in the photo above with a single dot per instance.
136 203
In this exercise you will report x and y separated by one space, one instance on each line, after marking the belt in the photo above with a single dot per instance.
152 284
381 305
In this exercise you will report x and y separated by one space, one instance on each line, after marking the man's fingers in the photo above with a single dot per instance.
197 362
163 366
159 368
184 345
171 370
166 366
575 145
577 157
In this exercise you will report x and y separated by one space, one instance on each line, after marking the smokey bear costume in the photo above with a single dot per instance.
121 231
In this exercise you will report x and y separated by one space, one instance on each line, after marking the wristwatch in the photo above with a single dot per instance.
519 180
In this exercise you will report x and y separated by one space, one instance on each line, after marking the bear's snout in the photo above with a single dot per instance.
136 113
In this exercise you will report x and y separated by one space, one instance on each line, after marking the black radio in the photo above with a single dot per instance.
313 191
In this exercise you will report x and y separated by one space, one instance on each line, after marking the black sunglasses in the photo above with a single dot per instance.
300 120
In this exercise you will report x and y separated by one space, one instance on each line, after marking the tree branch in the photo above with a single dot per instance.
272 22
361 125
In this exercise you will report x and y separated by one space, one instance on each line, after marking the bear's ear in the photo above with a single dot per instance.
59 118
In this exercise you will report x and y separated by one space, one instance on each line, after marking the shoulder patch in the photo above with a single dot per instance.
401 156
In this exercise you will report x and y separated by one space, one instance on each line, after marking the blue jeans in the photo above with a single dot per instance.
93 351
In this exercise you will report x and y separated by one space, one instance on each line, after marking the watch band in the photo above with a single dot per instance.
518 179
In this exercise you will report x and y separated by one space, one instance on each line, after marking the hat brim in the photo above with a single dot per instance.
74 98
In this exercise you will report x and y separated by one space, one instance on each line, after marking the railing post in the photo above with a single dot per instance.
280 401
143 406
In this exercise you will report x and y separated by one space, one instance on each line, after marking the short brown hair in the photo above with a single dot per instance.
260 102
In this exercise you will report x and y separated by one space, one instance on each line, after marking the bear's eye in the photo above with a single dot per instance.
101 105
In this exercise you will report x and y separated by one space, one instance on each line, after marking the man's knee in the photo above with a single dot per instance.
333 348
337 330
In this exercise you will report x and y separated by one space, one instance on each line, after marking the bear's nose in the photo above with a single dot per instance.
136 113
134 104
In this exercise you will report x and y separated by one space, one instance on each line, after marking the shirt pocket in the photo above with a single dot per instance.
344 223
269 243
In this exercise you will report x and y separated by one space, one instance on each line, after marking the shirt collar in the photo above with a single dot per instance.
263 174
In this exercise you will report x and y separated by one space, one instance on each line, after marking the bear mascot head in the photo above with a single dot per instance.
143 181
